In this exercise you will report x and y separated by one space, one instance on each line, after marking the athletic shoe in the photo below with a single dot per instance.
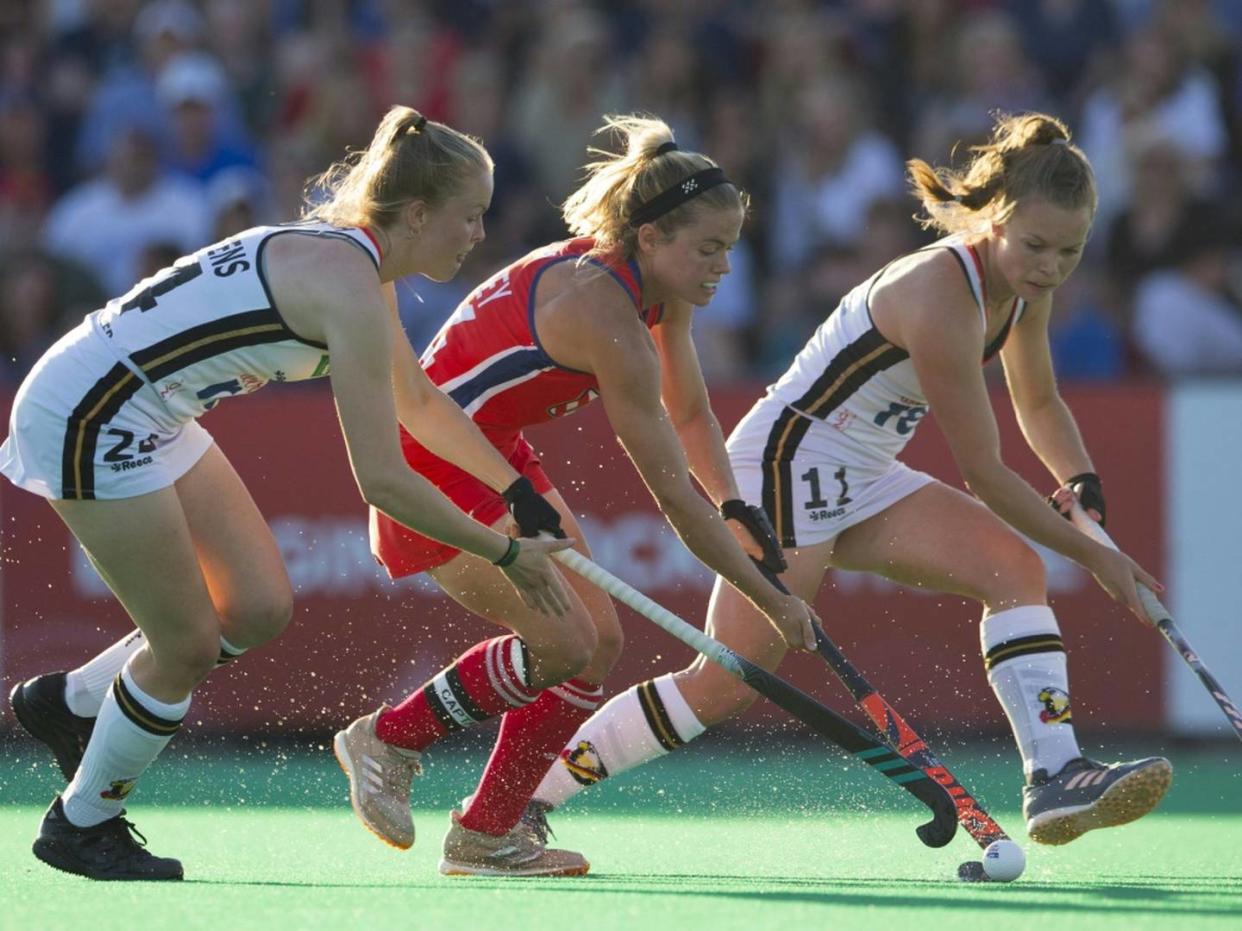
521 852
379 780
1086 795
102 851
39 705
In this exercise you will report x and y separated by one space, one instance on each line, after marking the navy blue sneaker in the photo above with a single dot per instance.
112 850
1086 795
39 705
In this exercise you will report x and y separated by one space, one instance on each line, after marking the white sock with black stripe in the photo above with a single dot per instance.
642 723
130 731
86 686
1025 661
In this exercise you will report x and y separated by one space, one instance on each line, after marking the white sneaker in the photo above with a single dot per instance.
521 852
379 780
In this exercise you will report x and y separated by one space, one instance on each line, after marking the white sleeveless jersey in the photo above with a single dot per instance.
204 330
850 378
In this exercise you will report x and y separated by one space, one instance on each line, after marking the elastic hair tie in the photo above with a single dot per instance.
665 148
1059 141
419 122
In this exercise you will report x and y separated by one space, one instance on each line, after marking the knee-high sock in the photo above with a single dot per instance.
525 748
130 731
486 680
86 686
1025 661
645 722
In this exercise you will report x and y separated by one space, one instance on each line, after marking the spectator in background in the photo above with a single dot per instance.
125 92
990 72
1188 318
1142 237
569 80
40 298
828 175
1157 90
27 189
194 91
107 223
238 198
1071 42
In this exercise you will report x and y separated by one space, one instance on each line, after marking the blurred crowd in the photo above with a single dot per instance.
132 131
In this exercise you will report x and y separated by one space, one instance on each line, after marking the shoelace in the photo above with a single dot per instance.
535 817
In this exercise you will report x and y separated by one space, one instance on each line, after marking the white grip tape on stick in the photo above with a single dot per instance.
658 614
1156 611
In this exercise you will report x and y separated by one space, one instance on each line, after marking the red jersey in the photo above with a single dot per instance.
487 357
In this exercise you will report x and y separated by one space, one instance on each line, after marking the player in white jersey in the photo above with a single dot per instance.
819 450
105 427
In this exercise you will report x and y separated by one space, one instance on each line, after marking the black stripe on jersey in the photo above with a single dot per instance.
777 499
997 344
848 371
139 715
258 268
1023 646
236 331
97 407
970 283
657 716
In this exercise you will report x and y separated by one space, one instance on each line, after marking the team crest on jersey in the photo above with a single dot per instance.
118 789
584 764
567 407
1056 706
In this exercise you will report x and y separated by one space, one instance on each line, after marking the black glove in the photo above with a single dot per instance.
760 529
531 510
1090 493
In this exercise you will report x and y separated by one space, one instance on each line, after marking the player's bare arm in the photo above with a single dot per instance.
686 402
432 418
944 336
347 311
623 358
1045 419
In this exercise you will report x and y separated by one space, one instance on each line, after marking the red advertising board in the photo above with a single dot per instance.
358 639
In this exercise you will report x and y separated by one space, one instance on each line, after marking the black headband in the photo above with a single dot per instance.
677 195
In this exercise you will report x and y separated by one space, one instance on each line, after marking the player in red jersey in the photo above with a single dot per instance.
606 314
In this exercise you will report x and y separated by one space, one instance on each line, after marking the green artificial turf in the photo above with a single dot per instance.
789 836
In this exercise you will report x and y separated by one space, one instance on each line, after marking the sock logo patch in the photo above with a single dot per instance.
1056 706
584 764
118 789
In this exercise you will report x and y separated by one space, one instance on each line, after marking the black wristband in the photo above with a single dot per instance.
733 509
519 489
509 555
1090 492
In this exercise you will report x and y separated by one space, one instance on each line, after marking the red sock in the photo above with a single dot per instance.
486 680
530 740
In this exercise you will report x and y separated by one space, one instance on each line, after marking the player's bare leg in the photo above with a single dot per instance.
146 551
1066 794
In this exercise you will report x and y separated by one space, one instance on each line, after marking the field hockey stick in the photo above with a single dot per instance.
1159 615
901 736
845 734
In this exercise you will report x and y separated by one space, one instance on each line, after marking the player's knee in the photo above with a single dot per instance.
715 698
1017 575
609 641
263 617
187 659
564 656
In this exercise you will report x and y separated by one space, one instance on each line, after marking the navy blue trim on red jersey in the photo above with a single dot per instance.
504 370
